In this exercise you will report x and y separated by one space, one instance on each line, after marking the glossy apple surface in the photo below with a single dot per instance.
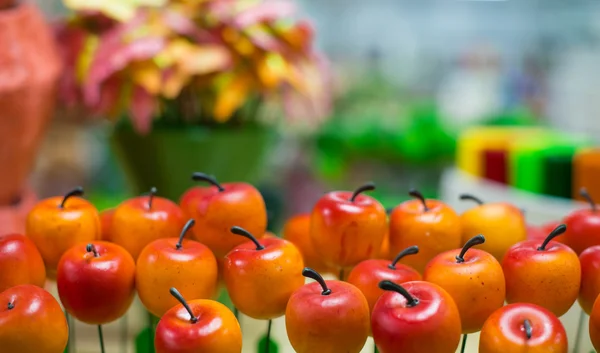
432 325
215 331
334 321
31 321
20 262
96 287
506 330
590 277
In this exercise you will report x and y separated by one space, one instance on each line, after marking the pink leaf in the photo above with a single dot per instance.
141 108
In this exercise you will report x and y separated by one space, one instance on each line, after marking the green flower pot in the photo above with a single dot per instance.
166 157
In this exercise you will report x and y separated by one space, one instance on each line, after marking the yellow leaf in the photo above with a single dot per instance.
231 97
121 10
147 75
174 83
85 58
204 60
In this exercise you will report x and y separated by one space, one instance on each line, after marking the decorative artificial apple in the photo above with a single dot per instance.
139 221
547 274
219 207
96 282
367 275
297 231
523 327
590 278
473 278
415 317
201 326
502 223
180 263
583 226
347 228
57 223
106 218
20 262
327 316
31 321
384 250
431 225
594 325
261 276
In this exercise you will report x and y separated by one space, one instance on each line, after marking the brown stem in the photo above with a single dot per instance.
411 250
367 187
470 197
391 286
151 197
561 228
584 193
528 328
175 293
417 194
310 273
78 191
91 248
241 231
185 229
197 176
476 240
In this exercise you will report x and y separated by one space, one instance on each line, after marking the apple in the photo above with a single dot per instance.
327 316
20 262
31 321
523 327
415 317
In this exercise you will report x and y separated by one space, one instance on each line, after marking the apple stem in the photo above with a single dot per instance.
151 197
197 176
310 273
11 306
394 287
241 231
367 187
175 293
586 195
417 194
92 248
78 191
470 197
561 228
528 328
411 250
476 240
185 229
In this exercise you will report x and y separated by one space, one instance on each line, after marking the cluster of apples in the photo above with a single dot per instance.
410 284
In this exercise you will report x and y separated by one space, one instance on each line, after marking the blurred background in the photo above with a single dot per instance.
441 95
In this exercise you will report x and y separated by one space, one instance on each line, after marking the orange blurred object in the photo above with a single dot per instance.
586 173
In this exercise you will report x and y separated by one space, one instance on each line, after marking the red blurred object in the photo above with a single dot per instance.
29 70
12 217
495 166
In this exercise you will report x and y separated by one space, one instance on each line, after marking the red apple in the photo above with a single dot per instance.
415 317
347 228
590 277
201 326
327 316
367 275
583 226
96 282
219 207
139 221
20 262
545 273
31 321
523 328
